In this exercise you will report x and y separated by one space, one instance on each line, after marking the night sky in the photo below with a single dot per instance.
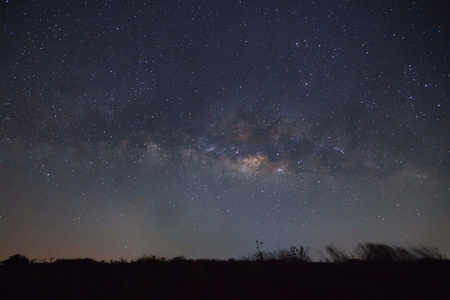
196 128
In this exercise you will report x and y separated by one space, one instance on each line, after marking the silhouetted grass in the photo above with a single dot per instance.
336 255
368 252
293 254
427 253
419 272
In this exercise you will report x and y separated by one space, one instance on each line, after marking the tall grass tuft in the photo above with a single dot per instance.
293 254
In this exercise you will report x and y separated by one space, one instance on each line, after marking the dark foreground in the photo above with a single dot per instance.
185 279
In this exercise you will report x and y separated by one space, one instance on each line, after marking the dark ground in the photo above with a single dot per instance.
202 279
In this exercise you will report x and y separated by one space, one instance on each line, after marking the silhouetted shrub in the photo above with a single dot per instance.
16 260
299 254
76 261
178 259
149 259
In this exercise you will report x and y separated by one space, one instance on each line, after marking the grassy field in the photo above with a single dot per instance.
179 278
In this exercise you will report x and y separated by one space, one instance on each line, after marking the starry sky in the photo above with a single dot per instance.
194 128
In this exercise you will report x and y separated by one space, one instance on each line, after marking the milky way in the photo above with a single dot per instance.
133 128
